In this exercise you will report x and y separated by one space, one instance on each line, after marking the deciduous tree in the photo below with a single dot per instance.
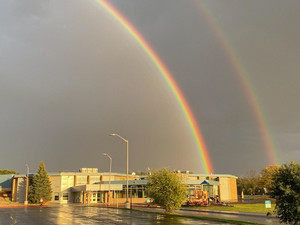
166 189
2 172
285 188
266 176
249 184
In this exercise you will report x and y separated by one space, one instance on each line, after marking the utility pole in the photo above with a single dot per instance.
127 204
26 186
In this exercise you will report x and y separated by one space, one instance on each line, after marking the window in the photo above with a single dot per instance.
65 196
56 196
140 192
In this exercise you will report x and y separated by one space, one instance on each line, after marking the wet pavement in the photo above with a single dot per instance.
241 216
87 215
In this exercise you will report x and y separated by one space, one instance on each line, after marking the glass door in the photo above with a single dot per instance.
94 197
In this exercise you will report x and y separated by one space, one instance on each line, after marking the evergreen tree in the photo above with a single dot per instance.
166 189
40 186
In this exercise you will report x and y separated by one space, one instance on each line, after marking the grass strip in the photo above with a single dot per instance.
255 208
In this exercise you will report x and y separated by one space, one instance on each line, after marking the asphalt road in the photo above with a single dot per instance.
250 217
87 215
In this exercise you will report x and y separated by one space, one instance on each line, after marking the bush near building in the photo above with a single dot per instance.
166 189
41 186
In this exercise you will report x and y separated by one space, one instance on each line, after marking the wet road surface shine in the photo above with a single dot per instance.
87 216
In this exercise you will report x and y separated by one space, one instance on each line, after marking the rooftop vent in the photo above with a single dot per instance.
88 170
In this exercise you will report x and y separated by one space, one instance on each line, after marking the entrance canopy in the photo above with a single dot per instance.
210 182
97 187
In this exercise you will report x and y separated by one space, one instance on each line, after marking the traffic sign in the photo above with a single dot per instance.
268 204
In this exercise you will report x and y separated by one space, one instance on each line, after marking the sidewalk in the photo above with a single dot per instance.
9 204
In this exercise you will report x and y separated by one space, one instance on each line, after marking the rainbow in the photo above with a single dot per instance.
197 135
245 81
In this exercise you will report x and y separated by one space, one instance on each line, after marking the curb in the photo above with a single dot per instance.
22 206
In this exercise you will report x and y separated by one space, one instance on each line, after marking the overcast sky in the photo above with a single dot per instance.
70 75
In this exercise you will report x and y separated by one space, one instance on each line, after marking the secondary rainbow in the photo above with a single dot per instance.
198 137
245 81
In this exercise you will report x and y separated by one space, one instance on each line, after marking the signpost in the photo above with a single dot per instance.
268 206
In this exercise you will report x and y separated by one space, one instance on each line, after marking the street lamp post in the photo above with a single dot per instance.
127 205
26 186
110 162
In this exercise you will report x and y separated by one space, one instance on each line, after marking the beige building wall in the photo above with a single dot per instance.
106 178
14 190
233 190
81 180
227 189
66 183
94 179
123 200
62 185
223 189
20 192
56 187
56 183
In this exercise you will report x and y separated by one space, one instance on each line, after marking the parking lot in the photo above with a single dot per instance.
86 215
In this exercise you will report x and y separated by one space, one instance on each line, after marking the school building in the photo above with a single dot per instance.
90 186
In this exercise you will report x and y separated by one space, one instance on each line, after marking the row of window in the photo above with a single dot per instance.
65 196
137 192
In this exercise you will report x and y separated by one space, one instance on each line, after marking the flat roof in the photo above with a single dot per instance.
6 180
98 187
199 182
124 174
96 174
210 175
145 182
32 174
130 182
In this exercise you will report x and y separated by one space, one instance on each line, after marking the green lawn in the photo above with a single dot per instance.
257 208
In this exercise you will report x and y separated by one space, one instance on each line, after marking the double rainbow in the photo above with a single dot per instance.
270 148
196 132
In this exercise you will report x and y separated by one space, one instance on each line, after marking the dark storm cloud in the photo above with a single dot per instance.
70 75
68 80
265 40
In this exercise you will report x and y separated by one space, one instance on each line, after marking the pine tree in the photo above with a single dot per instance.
40 186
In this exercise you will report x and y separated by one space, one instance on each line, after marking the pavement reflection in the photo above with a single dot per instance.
88 216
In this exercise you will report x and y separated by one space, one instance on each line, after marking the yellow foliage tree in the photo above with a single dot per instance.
266 176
